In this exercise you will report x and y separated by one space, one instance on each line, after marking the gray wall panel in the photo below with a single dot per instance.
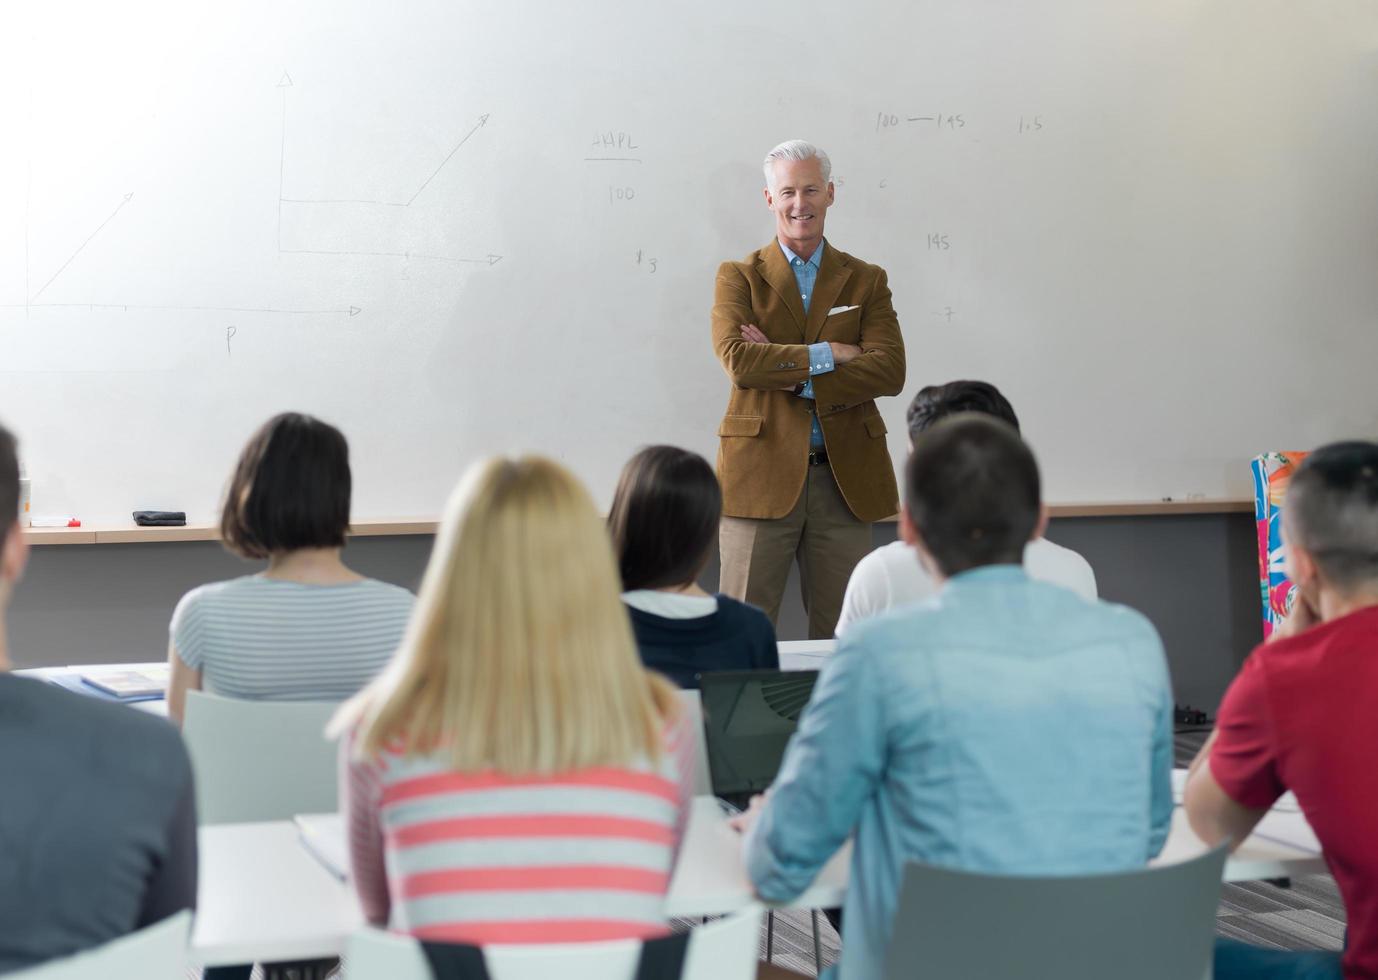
1194 577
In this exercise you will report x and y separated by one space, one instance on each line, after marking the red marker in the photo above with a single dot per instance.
55 521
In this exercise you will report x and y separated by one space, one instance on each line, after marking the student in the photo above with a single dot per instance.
891 576
307 628
664 523
97 814
515 775
1003 725
1301 714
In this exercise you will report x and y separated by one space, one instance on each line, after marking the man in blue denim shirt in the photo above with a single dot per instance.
1002 725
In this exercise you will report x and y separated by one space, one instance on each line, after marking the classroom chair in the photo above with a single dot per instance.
1147 924
157 952
692 703
260 760
724 949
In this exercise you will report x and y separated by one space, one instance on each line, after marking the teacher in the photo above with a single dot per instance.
809 338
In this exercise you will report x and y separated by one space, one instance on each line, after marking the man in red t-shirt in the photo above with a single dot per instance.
1303 713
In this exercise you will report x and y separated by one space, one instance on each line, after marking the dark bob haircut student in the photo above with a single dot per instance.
290 490
973 493
664 518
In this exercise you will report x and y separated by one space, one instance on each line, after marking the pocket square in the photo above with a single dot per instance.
843 309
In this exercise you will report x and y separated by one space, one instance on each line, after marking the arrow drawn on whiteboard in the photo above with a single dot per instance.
123 202
489 259
285 83
126 307
482 121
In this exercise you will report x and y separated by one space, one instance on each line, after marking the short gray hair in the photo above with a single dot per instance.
796 150
1331 510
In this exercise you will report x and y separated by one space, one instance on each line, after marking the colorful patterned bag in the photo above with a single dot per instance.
1272 473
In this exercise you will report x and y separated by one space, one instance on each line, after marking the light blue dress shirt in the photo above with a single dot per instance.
821 354
1003 725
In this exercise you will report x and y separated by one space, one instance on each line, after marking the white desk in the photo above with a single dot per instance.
263 898
711 880
805 654
156 706
1258 857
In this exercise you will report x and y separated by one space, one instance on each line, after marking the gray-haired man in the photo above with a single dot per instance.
809 339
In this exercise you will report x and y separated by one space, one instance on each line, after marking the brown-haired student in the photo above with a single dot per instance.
664 524
307 627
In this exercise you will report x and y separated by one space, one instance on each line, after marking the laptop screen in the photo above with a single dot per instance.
748 718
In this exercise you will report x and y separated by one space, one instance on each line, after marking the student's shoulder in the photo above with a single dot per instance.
1113 620
86 721
387 593
225 590
904 629
886 560
1056 563
1047 546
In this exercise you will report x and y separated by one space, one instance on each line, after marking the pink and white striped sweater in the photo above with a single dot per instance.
491 858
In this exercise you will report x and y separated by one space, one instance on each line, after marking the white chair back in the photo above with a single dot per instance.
260 760
722 950
692 704
158 952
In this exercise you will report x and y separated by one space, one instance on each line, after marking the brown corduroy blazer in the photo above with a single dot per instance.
763 440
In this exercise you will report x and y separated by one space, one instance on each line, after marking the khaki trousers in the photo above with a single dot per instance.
821 532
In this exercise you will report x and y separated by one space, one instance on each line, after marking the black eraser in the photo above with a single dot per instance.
160 518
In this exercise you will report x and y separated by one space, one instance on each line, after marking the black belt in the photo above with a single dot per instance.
818 457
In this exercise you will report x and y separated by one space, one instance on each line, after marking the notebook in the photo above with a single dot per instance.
129 683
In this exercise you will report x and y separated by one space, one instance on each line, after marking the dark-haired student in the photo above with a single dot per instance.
97 814
1301 714
1004 725
307 628
664 523
891 576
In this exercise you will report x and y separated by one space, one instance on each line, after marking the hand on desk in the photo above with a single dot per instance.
744 821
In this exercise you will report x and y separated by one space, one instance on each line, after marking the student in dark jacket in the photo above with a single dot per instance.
97 810
664 525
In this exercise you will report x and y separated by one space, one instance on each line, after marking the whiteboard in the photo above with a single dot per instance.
460 229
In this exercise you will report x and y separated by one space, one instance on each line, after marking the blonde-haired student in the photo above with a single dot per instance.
515 775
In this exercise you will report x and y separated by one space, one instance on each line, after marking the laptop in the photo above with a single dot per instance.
748 718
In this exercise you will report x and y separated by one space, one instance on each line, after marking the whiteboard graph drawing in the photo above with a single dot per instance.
125 200
285 84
